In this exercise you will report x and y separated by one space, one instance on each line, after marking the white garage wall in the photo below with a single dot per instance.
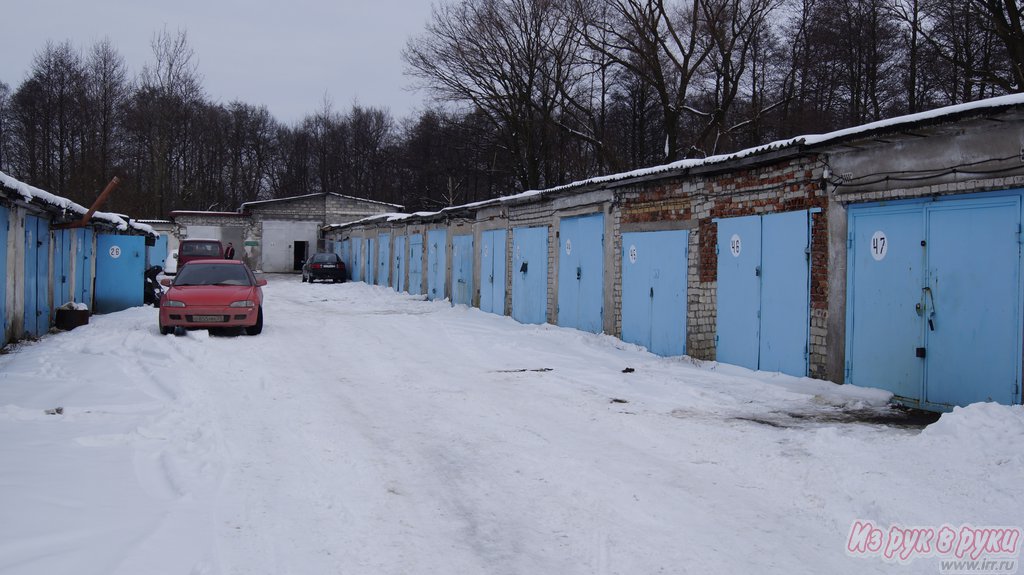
279 237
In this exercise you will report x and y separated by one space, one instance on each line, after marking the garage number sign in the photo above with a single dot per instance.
632 254
879 246
735 245
568 247
115 252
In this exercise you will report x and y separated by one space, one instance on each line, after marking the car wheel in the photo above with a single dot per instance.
303 278
256 328
165 330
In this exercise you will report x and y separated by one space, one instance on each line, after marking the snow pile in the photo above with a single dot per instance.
980 430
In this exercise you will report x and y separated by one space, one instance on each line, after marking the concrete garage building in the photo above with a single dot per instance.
277 235
886 255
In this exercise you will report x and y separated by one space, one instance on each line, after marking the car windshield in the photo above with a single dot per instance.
325 258
194 274
210 249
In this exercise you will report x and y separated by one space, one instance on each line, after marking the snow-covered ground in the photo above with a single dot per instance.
372 432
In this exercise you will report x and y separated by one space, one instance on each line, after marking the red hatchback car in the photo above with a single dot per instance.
213 294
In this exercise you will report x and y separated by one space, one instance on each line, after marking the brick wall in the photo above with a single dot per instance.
695 202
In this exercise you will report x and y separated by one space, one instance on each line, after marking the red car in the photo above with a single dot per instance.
213 294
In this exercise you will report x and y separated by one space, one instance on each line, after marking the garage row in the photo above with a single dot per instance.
54 258
886 255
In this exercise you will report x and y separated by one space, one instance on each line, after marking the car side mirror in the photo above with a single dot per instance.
261 282
175 256
166 282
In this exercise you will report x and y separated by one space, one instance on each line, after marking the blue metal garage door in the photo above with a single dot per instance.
581 273
492 271
935 300
437 263
370 260
462 270
120 261
61 266
764 291
416 264
358 258
654 269
739 291
84 251
156 255
37 276
886 264
398 269
383 259
530 274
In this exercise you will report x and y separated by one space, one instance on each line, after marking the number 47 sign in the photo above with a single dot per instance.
879 246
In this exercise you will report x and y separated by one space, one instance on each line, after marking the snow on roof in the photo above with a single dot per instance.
30 193
291 198
806 140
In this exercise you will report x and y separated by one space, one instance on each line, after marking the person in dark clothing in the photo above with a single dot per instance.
229 252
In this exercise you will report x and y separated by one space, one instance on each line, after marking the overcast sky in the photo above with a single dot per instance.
285 54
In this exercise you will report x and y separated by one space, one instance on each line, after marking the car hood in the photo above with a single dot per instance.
211 295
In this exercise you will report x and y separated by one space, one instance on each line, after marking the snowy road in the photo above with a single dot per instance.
370 432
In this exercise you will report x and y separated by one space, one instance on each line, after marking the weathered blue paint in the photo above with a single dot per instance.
739 291
84 255
383 259
785 292
416 264
882 323
371 261
156 255
120 262
492 271
5 224
530 274
654 270
764 291
462 270
61 244
581 273
358 256
398 265
437 263
346 255
974 264
37 276
942 306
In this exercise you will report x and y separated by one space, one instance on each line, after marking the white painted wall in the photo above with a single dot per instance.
279 237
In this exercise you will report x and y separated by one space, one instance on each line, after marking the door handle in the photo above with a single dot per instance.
928 295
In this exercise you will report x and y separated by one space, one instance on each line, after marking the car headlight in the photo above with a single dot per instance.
243 303
172 303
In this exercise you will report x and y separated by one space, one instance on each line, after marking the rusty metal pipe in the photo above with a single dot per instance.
95 205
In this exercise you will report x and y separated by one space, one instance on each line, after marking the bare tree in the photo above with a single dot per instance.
491 55
5 113
165 106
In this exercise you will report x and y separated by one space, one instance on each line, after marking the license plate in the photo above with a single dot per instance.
331 266
208 318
